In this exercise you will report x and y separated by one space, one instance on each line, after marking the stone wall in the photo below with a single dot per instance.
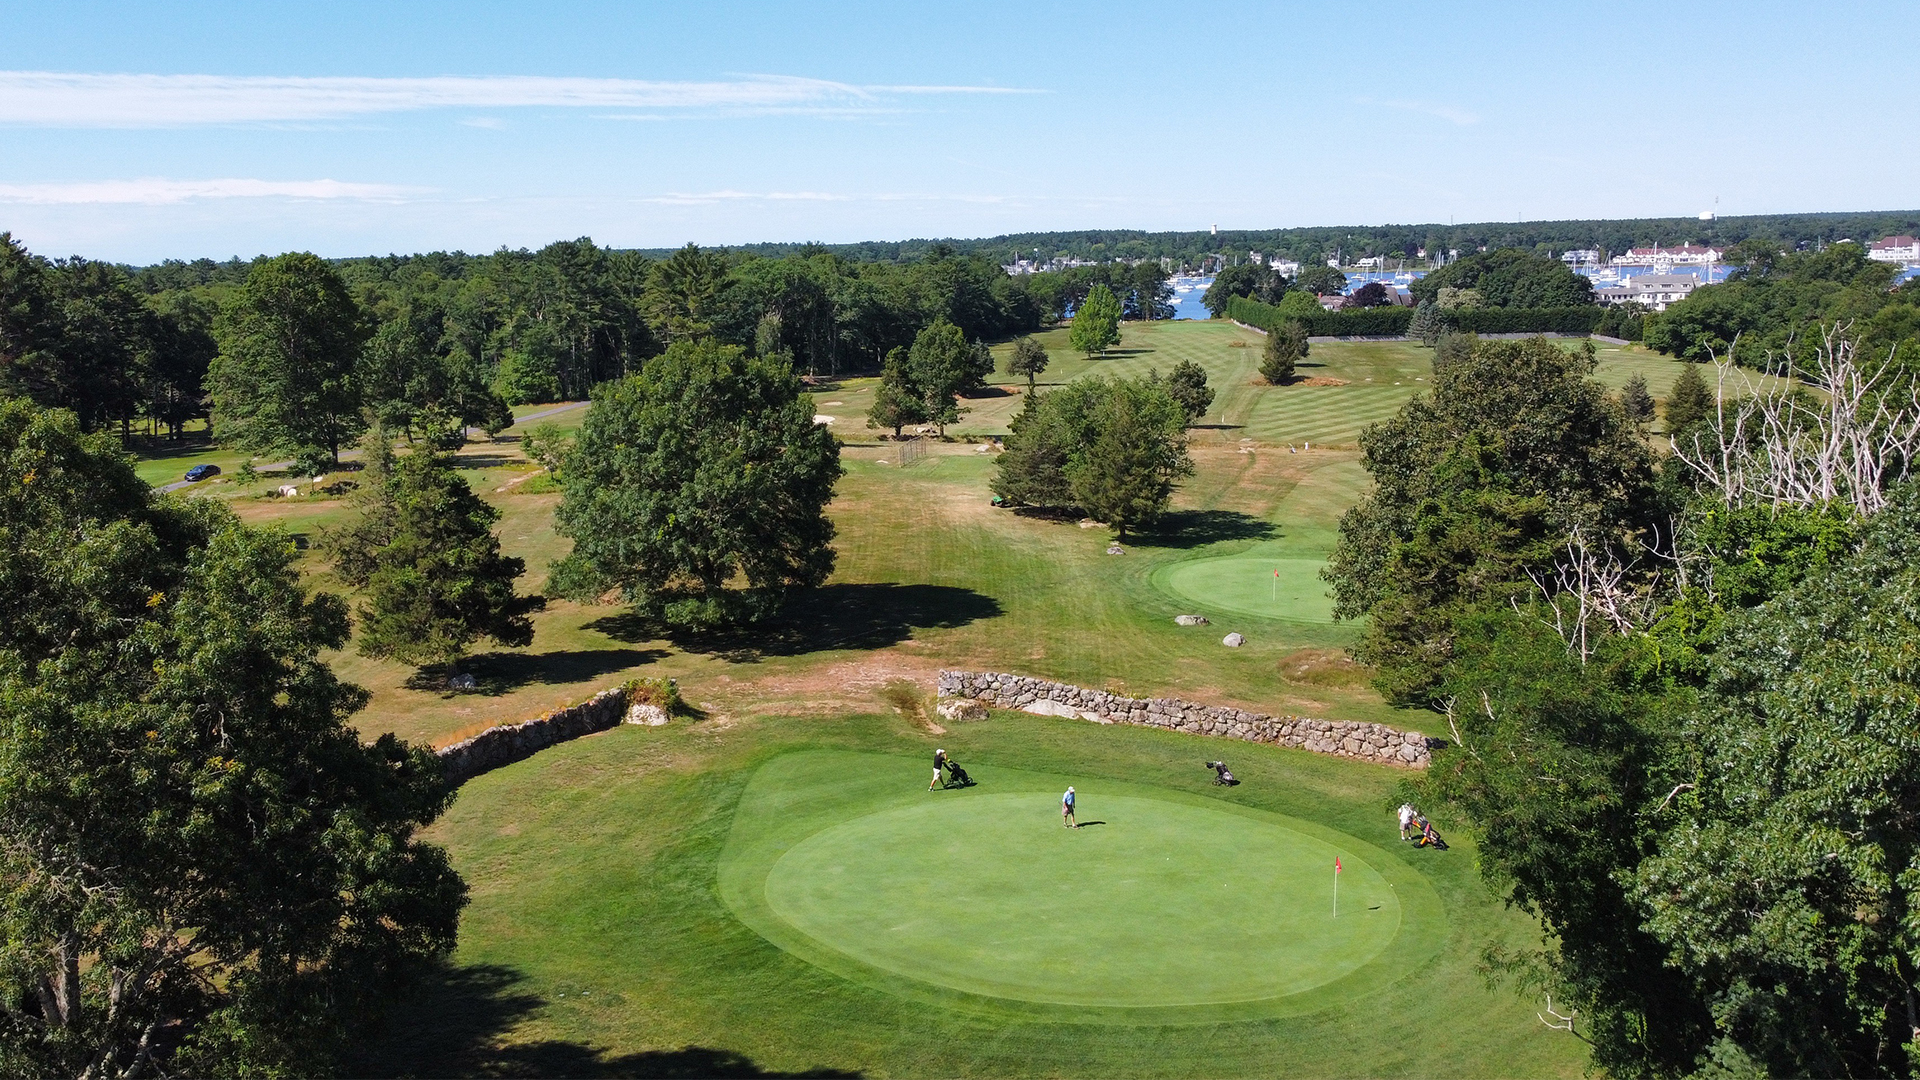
509 743
1377 743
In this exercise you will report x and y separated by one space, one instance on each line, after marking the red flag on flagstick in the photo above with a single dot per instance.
1336 864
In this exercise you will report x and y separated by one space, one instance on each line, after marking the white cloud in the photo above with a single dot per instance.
1449 113
705 198
155 191
62 99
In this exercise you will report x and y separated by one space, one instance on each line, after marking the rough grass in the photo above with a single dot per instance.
597 942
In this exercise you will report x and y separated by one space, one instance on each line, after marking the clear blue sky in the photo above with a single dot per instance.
143 131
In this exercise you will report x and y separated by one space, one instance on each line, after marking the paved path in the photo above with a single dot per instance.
278 465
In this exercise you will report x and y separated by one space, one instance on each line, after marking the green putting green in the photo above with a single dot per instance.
1175 907
1249 585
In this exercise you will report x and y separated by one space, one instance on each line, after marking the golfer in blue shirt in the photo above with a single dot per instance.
1066 810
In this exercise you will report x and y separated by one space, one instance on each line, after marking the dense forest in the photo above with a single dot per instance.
427 343
1318 243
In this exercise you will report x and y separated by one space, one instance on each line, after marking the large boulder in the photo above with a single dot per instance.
960 710
1233 641
649 715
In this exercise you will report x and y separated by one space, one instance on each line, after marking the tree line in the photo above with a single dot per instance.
1315 244
1674 690
1769 311
431 343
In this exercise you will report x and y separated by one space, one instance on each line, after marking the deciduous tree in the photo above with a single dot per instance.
285 376
940 365
1096 324
1486 475
206 870
1321 280
698 488
1029 359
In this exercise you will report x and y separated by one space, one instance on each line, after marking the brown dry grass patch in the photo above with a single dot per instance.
1323 667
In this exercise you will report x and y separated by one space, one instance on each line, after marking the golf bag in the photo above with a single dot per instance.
1429 836
956 776
1221 774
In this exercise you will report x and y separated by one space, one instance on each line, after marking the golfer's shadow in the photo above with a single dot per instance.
1090 824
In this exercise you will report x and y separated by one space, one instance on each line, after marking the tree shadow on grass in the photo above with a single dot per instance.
453 1024
486 460
503 672
1183 529
845 616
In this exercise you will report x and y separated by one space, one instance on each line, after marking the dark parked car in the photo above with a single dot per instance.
201 472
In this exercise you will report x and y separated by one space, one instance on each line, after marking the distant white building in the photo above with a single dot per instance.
1285 267
1684 255
1656 291
1581 256
1904 250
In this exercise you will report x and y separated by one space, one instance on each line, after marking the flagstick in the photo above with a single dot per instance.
1336 894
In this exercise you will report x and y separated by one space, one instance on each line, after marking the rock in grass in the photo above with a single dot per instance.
1233 641
960 710
649 715
463 682
1116 549
1190 620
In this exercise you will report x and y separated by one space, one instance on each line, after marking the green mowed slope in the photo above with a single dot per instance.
605 936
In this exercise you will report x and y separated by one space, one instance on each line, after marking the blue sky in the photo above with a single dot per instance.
143 131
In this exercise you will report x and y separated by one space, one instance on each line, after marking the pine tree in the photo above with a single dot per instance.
1032 470
1635 399
435 580
1427 324
1133 449
1690 401
1187 382
1286 346
895 401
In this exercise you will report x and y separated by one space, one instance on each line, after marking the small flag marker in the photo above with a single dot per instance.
1336 886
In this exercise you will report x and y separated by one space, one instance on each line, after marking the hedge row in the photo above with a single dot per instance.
1559 320
1359 322
1393 321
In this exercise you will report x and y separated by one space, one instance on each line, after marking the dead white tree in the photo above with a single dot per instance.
1591 587
1775 447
